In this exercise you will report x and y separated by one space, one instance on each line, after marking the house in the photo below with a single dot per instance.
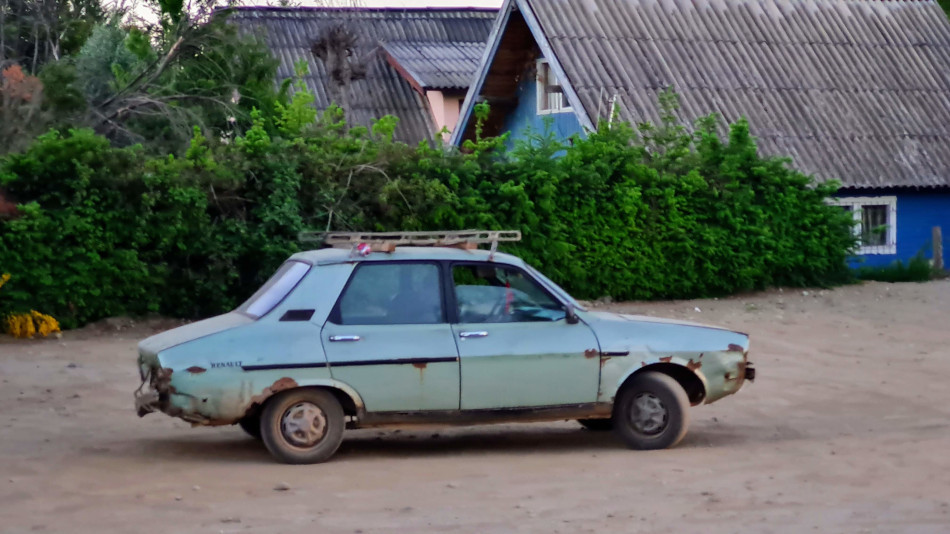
417 63
853 90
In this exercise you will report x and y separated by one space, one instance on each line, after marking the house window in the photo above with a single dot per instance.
550 96
875 222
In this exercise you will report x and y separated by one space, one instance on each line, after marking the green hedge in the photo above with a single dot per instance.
650 212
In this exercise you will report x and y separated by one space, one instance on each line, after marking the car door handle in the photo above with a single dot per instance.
344 338
466 335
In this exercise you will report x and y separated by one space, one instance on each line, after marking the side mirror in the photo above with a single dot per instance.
570 315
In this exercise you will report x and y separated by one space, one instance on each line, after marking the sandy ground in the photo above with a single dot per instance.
847 429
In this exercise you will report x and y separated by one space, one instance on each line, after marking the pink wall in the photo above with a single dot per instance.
445 110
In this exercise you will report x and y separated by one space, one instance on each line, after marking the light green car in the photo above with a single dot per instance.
337 339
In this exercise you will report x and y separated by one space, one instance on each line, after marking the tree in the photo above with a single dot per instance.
338 48
34 32
20 107
151 82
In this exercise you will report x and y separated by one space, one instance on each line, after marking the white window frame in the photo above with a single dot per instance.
857 204
542 95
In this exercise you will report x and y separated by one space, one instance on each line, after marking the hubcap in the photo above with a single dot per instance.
648 414
304 424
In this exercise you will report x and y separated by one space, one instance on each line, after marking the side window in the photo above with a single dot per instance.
493 294
550 95
392 293
875 222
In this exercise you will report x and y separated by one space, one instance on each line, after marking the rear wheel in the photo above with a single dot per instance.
302 426
597 425
652 412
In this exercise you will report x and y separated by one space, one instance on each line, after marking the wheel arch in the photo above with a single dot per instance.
349 399
692 382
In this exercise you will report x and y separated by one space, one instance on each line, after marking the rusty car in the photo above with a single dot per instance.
376 330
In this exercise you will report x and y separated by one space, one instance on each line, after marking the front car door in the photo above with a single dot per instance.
515 345
389 339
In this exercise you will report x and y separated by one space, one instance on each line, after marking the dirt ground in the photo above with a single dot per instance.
846 429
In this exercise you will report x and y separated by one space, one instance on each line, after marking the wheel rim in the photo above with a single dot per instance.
648 414
304 424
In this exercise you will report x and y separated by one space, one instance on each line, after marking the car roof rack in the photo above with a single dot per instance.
388 241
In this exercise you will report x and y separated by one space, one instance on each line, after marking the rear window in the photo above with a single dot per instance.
275 289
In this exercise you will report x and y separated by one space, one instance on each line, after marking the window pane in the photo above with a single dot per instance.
393 293
491 294
873 225
275 289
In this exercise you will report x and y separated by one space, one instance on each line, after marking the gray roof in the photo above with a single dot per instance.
439 65
855 90
289 33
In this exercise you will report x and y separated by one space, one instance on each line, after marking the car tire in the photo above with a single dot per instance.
652 412
302 426
251 425
597 425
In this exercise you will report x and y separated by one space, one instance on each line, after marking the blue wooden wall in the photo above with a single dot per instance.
918 211
525 116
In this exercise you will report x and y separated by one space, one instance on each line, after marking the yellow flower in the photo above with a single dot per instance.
4 278
45 324
20 325
27 325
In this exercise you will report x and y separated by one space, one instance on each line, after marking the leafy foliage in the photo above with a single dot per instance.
918 269
649 212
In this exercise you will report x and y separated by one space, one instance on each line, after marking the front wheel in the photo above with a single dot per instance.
652 412
302 426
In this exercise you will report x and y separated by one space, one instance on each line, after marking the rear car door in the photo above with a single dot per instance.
388 337
515 345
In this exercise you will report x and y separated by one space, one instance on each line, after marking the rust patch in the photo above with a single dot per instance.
666 359
591 353
603 360
421 366
162 379
643 364
194 369
692 366
734 348
280 385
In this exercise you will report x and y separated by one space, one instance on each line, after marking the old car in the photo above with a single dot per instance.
378 330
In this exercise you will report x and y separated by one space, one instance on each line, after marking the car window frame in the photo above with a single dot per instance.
336 316
449 280
242 309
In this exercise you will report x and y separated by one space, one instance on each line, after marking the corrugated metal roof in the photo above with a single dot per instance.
448 65
856 90
290 32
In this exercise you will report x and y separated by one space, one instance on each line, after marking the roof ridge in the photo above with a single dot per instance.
384 9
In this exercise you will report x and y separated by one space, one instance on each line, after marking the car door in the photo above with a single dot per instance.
516 347
389 339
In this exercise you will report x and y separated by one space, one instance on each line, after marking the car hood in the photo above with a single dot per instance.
150 347
620 332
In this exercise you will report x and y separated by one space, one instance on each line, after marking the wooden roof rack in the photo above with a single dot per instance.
387 241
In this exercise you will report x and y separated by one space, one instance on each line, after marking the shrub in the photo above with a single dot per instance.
918 269
653 212
650 212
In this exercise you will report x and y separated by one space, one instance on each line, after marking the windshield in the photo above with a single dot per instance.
554 288
275 289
